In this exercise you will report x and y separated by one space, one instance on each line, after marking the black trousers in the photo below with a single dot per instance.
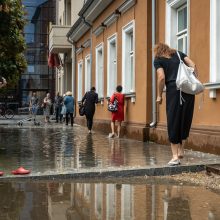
179 117
89 118
58 115
71 118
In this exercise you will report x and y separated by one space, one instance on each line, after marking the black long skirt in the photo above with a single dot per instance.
179 117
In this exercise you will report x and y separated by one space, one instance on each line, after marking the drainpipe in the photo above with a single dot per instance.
91 54
91 30
73 65
73 70
154 107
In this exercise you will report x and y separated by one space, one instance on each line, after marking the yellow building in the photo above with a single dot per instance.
111 43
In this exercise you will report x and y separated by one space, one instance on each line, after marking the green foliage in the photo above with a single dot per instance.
12 42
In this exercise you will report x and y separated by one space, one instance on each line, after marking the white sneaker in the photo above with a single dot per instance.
111 135
174 162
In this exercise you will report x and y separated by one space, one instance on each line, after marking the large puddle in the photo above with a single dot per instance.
82 201
60 149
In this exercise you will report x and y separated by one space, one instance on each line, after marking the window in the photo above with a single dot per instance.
127 202
177 24
80 80
87 73
182 29
99 71
110 201
87 191
112 66
98 200
128 73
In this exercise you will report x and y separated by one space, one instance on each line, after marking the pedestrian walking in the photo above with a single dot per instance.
33 105
119 114
47 104
89 100
69 104
58 107
179 116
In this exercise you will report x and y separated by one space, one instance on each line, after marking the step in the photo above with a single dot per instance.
214 168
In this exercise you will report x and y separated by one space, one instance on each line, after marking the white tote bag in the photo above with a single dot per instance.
186 80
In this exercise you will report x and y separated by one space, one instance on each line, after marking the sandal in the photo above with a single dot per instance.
174 162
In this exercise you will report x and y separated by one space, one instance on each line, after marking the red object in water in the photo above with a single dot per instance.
20 171
1 173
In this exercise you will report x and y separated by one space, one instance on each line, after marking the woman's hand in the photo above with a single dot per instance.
159 100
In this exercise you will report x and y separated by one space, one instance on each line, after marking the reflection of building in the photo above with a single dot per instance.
38 77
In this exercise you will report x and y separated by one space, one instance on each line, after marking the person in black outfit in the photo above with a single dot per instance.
89 100
58 106
179 116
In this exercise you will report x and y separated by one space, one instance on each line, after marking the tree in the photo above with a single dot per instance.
12 42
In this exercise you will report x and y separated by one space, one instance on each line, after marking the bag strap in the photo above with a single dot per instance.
179 56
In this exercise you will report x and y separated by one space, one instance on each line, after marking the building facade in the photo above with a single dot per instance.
67 14
111 43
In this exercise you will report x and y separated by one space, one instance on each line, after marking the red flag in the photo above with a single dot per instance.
54 60
51 60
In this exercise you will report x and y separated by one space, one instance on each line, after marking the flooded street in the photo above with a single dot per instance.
76 201
63 149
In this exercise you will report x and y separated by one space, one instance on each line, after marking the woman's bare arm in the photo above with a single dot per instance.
190 63
160 84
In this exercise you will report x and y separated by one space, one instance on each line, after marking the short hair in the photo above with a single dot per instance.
93 88
119 88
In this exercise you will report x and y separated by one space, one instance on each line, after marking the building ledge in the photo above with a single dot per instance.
131 95
126 6
99 30
111 19
212 87
58 42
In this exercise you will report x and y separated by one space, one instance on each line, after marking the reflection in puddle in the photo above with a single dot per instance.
65 200
61 149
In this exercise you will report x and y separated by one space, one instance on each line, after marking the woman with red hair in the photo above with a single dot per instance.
179 116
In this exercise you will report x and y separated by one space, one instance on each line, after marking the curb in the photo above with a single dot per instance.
119 173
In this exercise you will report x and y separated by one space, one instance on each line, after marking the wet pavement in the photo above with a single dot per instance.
63 156
51 149
78 201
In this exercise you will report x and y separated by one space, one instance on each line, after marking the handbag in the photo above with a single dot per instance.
186 81
82 110
113 106
63 110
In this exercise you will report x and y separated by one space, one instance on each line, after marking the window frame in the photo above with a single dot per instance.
98 48
79 90
182 34
127 29
214 68
111 39
172 6
87 71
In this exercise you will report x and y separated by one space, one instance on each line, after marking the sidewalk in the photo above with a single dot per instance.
55 151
